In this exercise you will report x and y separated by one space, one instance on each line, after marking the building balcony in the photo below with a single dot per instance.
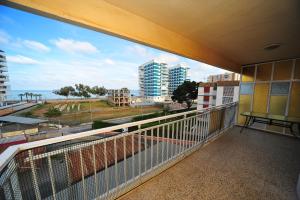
251 165
213 161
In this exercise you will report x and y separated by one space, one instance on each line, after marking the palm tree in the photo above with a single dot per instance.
40 96
21 96
35 95
26 95
30 94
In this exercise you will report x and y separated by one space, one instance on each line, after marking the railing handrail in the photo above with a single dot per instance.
11 151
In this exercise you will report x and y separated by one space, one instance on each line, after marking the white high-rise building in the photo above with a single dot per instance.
177 75
224 77
3 78
154 81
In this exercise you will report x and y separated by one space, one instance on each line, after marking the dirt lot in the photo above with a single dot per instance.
74 113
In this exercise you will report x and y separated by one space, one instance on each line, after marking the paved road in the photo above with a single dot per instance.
15 109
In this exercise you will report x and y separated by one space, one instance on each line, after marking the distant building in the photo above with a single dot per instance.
119 97
223 77
177 75
3 78
217 93
154 81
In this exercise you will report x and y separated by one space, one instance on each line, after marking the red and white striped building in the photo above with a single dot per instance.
217 93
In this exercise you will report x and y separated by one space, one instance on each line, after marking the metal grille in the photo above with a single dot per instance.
93 166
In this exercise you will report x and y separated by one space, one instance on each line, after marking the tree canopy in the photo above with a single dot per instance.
96 90
80 90
186 92
65 91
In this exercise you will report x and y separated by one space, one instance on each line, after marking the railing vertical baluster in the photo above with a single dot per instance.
106 169
163 144
200 128
172 141
208 115
152 148
177 138
184 133
52 180
68 171
116 162
181 136
189 135
145 144
125 159
140 152
132 150
168 141
34 176
82 174
191 132
95 172
157 145
195 130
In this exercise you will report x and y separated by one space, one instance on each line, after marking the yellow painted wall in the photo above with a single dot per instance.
260 98
267 100
294 109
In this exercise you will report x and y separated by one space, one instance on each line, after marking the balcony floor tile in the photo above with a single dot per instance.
251 165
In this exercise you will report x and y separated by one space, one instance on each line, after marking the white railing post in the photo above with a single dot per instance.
34 176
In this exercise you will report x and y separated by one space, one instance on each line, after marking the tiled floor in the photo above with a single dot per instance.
251 165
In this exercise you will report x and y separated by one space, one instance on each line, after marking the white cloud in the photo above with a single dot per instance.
109 61
19 59
73 46
139 50
52 74
4 37
36 46
168 58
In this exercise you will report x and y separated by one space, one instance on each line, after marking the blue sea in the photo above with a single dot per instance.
46 94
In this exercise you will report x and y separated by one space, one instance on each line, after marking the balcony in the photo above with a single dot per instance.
251 165
107 162
213 160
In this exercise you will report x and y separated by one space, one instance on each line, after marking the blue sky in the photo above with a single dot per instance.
45 54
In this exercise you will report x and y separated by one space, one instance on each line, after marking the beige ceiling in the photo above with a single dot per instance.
238 29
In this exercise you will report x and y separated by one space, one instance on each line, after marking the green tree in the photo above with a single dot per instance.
21 96
31 95
26 95
96 90
186 92
82 91
65 91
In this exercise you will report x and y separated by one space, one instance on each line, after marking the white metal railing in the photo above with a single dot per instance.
90 165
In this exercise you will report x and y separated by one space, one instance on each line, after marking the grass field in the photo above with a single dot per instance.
74 113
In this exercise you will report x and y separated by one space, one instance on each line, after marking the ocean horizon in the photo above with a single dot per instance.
46 94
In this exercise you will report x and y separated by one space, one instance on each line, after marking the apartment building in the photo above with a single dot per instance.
217 93
223 77
177 75
154 81
3 78
119 97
